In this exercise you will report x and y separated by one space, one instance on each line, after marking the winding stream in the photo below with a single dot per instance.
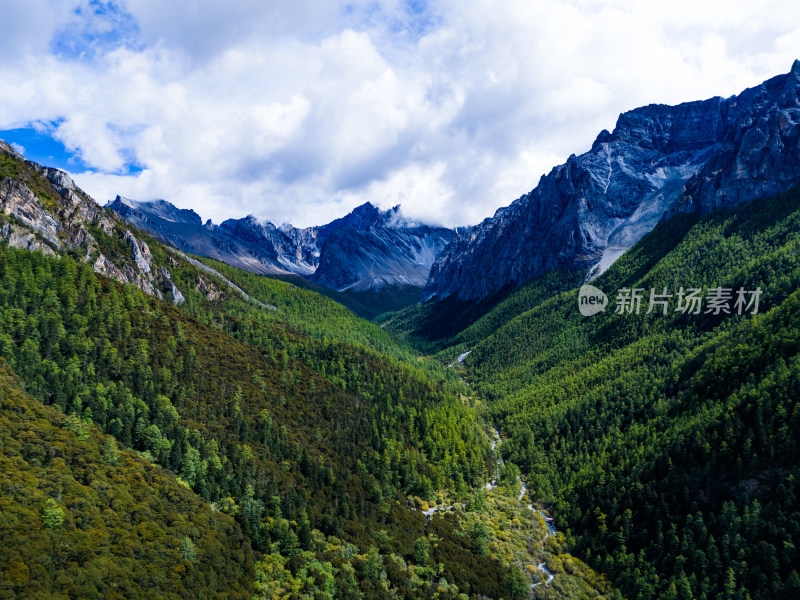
460 358
551 527
550 575
497 441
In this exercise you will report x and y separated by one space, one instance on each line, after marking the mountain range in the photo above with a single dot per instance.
367 250
583 215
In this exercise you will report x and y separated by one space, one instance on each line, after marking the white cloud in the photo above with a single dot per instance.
29 26
298 111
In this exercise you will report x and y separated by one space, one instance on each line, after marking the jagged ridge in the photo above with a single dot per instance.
659 159
44 210
368 249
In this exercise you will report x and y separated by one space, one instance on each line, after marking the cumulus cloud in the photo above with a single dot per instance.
298 111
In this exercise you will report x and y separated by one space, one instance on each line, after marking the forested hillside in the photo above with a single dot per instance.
250 428
204 400
665 443
246 436
450 326
82 517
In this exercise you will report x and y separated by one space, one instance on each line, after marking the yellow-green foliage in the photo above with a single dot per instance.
74 525
517 537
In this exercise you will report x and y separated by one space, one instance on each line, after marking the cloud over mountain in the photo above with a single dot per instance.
300 111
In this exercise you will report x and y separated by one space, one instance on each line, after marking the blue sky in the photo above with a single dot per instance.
39 145
95 28
299 111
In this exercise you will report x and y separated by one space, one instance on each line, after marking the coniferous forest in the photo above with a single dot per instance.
267 446
664 444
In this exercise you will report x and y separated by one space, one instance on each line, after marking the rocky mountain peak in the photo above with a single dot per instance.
159 208
360 218
365 211
366 249
250 228
658 159
372 249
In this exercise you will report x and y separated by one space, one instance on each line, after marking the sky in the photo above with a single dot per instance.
298 111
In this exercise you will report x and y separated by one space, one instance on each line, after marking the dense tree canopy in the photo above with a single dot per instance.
666 443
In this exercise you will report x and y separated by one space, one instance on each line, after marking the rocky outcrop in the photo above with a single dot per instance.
6 148
177 296
45 211
208 289
105 267
23 239
659 159
18 201
140 253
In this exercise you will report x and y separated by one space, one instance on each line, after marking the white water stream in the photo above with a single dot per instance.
497 441
551 528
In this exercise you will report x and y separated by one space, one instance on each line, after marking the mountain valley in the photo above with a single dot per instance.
192 410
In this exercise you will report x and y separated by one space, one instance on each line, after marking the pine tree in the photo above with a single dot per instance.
374 565
53 515
422 551
480 537
304 531
515 585
791 588
110 451
188 550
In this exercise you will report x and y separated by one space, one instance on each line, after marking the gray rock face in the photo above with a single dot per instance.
140 252
61 220
370 249
365 250
659 159
9 149
23 239
760 152
177 296
20 202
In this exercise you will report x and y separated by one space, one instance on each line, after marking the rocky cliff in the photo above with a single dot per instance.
659 159
43 210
